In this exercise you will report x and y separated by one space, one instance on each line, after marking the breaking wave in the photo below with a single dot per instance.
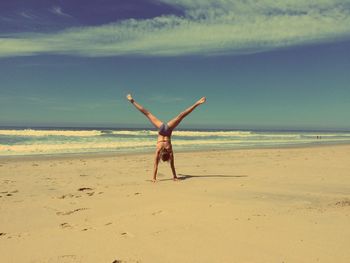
59 141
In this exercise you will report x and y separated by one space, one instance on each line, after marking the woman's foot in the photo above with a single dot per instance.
201 101
130 98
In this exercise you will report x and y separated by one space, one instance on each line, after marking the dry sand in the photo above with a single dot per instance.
266 205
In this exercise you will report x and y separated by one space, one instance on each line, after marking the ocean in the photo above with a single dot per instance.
39 141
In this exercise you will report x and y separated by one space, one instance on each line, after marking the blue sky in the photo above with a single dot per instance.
261 64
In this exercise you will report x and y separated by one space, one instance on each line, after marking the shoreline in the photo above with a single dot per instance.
203 150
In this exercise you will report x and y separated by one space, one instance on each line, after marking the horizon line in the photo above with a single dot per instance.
200 128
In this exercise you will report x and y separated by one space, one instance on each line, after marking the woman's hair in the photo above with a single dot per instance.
164 154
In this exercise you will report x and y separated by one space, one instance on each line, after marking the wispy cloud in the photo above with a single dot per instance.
28 15
208 27
57 10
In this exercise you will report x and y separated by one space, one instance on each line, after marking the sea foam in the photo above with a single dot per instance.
60 141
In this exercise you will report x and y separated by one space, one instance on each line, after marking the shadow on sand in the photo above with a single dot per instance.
189 176
182 177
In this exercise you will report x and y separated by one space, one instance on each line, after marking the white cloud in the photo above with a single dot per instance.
208 27
28 15
57 10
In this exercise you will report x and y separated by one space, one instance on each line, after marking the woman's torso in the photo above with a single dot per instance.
163 142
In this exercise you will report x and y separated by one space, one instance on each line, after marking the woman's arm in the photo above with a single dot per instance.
173 166
155 167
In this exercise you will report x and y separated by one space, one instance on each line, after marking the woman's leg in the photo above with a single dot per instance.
157 123
174 122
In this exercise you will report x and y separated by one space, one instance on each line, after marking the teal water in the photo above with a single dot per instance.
74 140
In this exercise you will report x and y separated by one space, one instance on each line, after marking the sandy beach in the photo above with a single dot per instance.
262 205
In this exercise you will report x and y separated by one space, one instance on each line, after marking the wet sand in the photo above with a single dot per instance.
265 205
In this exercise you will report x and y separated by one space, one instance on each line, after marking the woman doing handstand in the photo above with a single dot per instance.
164 149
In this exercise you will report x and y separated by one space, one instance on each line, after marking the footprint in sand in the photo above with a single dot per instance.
342 203
65 225
86 229
126 234
7 193
19 235
35 164
8 181
2 234
157 232
70 212
258 215
68 196
157 212
85 189
127 260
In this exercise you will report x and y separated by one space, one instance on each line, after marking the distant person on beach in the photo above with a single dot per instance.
164 149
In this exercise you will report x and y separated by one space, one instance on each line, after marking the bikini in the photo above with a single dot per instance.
165 131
